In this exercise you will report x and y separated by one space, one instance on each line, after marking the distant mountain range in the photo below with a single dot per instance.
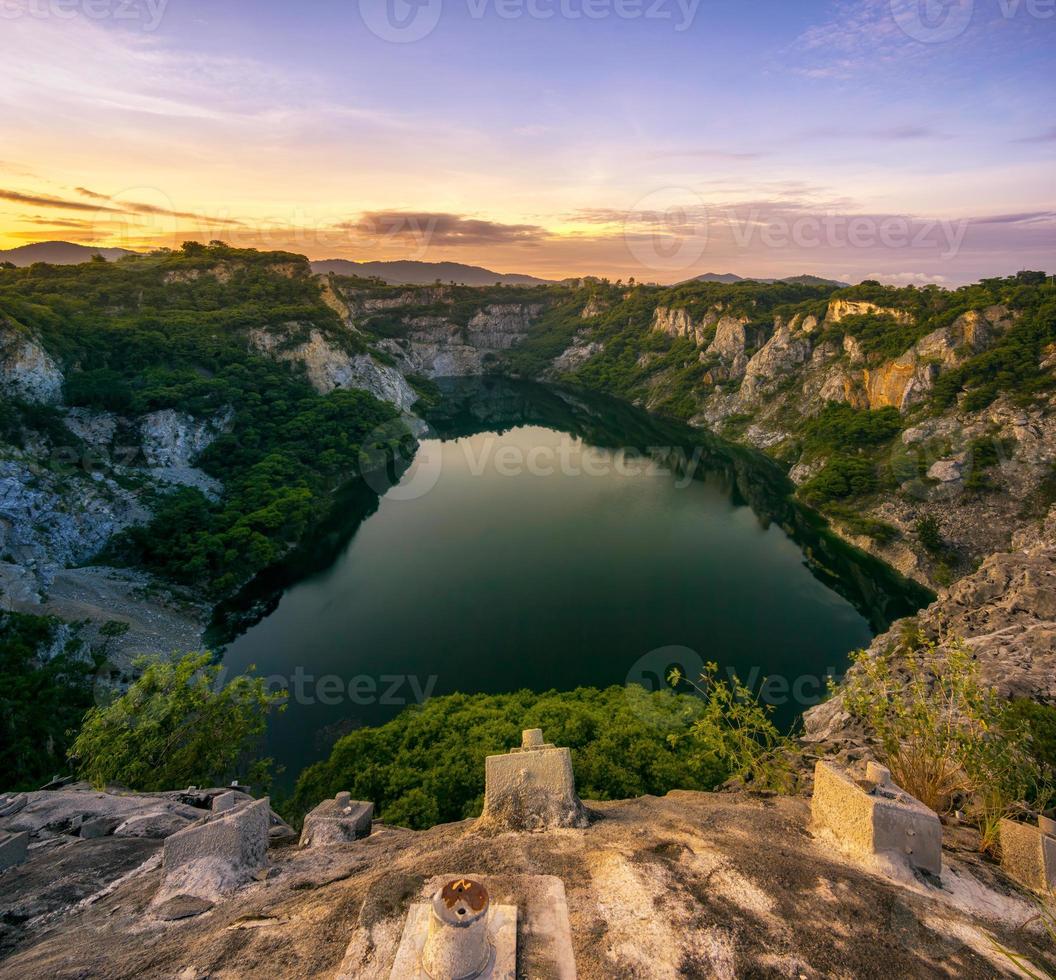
59 253
729 277
422 273
400 273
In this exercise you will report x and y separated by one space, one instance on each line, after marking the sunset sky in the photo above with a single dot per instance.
653 138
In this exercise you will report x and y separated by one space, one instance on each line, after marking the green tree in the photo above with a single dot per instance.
426 766
177 725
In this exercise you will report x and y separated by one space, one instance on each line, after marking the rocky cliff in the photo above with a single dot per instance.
27 371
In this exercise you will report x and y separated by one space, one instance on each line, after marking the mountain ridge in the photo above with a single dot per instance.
407 272
59 253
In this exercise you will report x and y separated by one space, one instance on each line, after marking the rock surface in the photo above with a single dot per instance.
329 367
1006 613
27 371
688 885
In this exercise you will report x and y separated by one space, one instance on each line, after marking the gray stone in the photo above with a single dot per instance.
13 849
182 907
337 821
532 788
98 827
12 804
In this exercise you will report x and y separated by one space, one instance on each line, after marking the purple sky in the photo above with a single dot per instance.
655 138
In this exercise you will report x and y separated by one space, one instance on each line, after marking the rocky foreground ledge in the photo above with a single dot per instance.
689 885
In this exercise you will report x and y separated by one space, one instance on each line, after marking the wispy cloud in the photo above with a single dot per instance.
114 207
45 201
1049 136
883 134
443 229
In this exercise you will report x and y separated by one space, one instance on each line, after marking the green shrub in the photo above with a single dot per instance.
944 735
839 427
842 477
734 732
177 725
43 694
427 764
930 535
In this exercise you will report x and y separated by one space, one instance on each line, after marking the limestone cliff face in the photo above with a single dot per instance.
785 352
839 309
171 438
27 371
595 307
581 350
328 367
435 346
1006 612
44 520
678 323
900 383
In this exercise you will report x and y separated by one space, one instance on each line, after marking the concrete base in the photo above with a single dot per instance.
13 849
877 822
337 821
502 932
544 937
1028 855
532 788
218 856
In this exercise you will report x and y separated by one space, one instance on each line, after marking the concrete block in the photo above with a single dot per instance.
13 849
337 821
531 788
875 820
225 801
1028 855
211 858
460 935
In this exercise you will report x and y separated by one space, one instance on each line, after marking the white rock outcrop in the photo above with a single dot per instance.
328 367
27 370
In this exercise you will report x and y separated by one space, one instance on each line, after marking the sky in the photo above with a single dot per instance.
905 141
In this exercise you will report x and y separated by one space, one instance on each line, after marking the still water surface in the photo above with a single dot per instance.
527 548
